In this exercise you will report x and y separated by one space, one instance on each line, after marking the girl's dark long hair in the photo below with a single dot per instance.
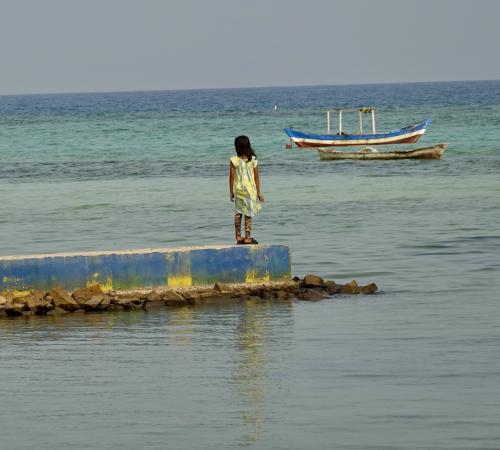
244 148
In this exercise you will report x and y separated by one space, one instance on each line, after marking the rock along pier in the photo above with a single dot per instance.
140 279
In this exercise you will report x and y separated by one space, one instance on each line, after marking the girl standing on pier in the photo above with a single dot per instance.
244 187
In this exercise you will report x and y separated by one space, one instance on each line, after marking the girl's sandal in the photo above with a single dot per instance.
240 241
251 242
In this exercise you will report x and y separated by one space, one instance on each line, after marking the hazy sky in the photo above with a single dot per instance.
112 45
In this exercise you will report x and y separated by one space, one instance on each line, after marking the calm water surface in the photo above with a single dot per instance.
415 366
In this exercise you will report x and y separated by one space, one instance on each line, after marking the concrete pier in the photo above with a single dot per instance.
129 269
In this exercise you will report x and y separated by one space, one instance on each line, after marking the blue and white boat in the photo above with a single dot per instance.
406 135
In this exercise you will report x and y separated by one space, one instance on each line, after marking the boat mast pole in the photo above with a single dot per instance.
373 120
328 122
340 121
360 122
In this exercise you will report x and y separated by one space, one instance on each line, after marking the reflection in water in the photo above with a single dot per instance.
60 326
252 372
180 323
114 350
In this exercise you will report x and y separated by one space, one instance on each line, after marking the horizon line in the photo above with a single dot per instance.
243 87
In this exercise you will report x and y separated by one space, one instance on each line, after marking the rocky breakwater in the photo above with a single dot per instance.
94 298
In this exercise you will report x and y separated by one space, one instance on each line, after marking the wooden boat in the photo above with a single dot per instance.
434 152
406 135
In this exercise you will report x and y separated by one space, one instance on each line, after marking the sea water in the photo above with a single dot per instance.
415 366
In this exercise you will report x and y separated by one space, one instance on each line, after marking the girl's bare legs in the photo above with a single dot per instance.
237 226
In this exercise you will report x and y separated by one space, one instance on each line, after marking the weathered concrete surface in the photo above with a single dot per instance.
128 269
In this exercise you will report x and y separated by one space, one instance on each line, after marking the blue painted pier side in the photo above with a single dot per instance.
127 269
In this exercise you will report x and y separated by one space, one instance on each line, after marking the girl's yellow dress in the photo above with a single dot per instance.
245 190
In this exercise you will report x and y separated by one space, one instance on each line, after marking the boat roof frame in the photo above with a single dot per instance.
360 111
364 109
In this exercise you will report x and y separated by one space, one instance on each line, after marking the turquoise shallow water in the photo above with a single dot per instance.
413 367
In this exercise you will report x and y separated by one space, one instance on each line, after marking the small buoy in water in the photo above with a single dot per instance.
275 107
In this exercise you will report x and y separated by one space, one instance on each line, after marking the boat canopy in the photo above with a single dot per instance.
360 111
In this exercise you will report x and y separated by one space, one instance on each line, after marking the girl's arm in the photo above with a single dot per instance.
231 181
257 183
